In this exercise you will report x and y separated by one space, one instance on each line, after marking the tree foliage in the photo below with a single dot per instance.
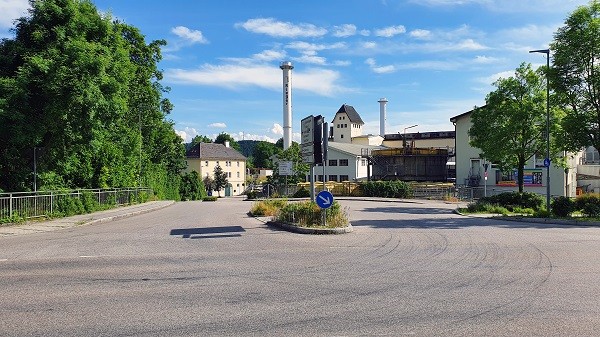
575 77
510 128
200 139
86 90
220 179
301 169
223 137
262 154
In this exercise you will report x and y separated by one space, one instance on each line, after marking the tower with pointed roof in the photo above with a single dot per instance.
346 124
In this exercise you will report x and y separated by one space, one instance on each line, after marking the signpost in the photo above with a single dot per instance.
324 199
286 168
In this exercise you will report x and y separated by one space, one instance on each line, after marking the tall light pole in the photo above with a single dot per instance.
547 159
404 136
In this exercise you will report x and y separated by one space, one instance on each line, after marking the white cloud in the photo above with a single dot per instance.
369 45
249 136
305 46
512 6
344 30
236 76
489 80
365 32
311 59
217 125
390 31
187 134
422 34
270 55
12 10
342 63
277 129
485 59
379 69
192 36
274 28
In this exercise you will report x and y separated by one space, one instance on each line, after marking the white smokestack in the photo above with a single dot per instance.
287 103
382 112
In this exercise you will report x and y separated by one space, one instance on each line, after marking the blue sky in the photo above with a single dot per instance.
431 59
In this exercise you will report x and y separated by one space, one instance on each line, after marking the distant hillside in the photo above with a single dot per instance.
247 147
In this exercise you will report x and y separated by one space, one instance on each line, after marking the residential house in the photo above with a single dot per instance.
471 168
346 125
204 157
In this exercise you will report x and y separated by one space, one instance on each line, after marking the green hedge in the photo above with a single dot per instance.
387 189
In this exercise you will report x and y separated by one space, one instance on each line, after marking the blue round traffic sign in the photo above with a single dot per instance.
547 162
324 199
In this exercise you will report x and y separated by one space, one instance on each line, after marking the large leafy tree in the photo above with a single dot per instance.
301 169
223 137
575 76
510 128
86 90
263 153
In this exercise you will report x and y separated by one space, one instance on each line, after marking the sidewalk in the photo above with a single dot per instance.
33 226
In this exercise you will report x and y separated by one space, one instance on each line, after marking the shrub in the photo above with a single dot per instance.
251 194
67 205
588 204
210 198
302 193
308 214
267 207
387 189
562 206
90 202
512 200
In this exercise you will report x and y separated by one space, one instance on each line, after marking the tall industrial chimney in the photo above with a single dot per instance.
287 103
382 104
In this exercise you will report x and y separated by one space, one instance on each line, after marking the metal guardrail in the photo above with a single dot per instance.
28 205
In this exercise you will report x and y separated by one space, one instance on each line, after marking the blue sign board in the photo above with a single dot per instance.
547 162
324 199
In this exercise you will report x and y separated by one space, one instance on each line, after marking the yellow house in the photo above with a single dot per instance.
204 157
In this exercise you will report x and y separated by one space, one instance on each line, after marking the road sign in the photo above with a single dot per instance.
324 199
547 162
306 130
286 168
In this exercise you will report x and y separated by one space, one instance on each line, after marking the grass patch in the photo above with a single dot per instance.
302 213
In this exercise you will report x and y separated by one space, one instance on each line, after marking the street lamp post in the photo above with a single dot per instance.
547 159
404 136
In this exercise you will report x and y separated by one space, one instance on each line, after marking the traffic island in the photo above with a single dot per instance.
311 230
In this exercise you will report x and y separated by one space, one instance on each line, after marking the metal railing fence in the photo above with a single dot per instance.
28 205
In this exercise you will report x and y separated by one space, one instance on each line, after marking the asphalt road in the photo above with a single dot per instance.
206 269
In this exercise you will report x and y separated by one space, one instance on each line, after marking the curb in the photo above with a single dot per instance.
120 216
309 230
564 222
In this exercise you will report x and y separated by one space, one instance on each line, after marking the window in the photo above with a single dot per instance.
363 162
206 163
343 162
333 177
238 164
217 163
332 162
228 174
238 174
344 178
341 136
320 177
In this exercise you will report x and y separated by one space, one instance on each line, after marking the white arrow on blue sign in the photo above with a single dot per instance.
324 199
547 162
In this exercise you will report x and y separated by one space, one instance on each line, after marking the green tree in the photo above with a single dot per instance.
86 90
510 128
220 179
301 169
192 187
223 137
200 139
208 183
575 77
262 154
